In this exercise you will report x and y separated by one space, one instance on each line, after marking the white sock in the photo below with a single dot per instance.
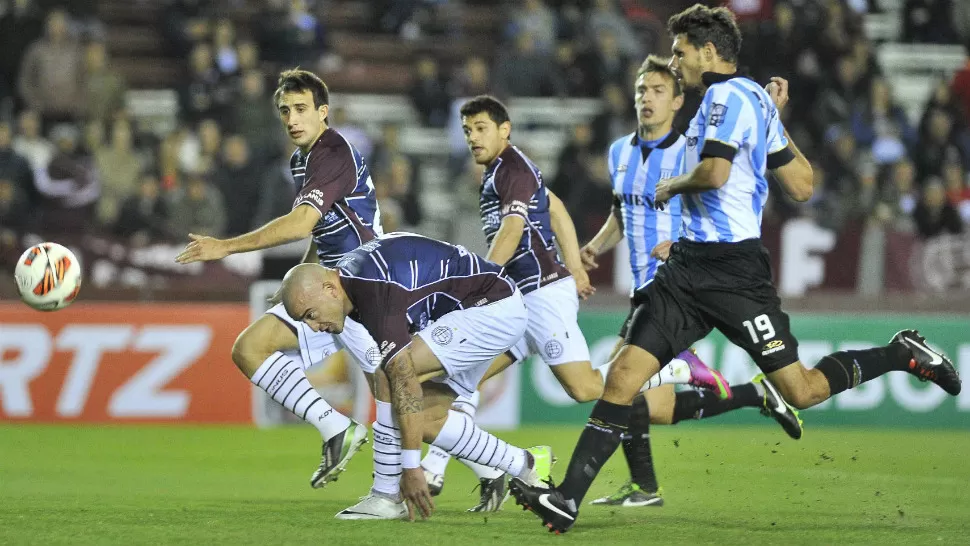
462 438
676 372
387 453
282 378
436 460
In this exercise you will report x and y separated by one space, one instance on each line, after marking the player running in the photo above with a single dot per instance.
523 222
718 274
441 315
337 208
637 163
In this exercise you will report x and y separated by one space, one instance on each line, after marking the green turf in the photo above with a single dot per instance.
159 485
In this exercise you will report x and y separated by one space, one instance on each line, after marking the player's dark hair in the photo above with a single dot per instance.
702 24
660 65
496 111
297 80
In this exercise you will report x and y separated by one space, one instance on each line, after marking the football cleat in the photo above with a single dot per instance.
337 452
375 506
436 482
775 406
540 461
556 513
703 377
928 364
493 494
631 496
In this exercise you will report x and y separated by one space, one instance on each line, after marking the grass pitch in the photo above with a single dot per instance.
735 485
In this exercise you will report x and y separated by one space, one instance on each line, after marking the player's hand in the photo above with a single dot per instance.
778 91
202 249
662 251
583 288
414 489
588 256
662 194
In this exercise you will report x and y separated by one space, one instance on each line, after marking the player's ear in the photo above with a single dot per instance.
323 110
678 102
505 129
709 52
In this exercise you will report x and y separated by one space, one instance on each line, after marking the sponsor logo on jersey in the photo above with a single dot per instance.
386 348
773 346
633 199
621 168
516 207
550 277
442 335
316 196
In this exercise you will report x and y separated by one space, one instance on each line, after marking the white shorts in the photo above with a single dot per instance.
553 331
317 346
466 341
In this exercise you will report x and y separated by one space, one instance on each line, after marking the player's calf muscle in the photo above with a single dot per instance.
580 381
801 387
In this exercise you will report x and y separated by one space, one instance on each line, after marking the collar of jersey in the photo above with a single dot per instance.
667 142
710 78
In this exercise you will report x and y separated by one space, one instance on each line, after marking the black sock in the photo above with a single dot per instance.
847 369
636 446
702 404
607 423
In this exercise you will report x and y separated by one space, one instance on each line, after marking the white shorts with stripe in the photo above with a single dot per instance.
317 346
553 331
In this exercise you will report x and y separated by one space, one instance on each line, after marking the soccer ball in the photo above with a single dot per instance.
48 277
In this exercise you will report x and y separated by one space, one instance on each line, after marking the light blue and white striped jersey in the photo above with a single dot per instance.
634 186
736 121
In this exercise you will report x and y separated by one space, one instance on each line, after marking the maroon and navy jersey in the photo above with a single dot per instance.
512 184
401 282
333 178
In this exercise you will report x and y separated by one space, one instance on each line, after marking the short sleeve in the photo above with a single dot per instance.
724 122
515 187
330 176
779 154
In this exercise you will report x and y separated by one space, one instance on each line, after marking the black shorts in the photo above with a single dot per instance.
635 302
714 285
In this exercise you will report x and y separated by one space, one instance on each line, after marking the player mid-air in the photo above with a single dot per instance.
718 275
337 208
441 315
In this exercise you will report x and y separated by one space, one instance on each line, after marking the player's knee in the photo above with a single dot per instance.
248 353
585 391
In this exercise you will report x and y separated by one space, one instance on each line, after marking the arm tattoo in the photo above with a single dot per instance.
405 390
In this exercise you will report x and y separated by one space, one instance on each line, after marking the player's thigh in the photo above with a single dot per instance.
660 401
553 330
261 339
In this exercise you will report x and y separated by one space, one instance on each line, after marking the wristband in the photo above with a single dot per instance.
410 458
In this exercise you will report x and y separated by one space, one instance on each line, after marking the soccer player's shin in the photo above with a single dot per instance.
848 369
704 404
387 453
604 430
462 438
636 446
283 379
437 459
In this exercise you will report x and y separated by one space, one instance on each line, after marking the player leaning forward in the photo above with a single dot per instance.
441 315
717 274
336 206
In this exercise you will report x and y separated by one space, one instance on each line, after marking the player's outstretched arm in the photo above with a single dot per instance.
506 239
609 235
407 400
565 231
292 227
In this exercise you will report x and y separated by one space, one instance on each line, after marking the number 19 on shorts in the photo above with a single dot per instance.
761 325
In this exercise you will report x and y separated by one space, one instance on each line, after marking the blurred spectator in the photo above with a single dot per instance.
354 133
525 72
15 210
605 18
428 94
616 120
70 186
535 18
400 189
961 20
957 189
186 24
291 34
839 28
576 81
961 88
937 145
20 24
104 87
929 21
199 152
51 74
386 149
247 52
573 158
30 144
390 16
934 215
197 208
607 64
254 117
92 139
837 100
144 213
120 168
882 125
276 193
899 196
224 47
16 172
843 164
202 94
238 180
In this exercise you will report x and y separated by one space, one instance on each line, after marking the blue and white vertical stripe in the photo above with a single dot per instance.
740 114
634 187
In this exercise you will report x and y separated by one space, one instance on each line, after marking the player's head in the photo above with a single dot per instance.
658 94
303 102
485 122
704 39
312 294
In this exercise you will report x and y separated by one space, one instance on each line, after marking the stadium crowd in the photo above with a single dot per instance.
72 157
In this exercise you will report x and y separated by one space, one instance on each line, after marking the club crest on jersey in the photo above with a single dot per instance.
692 142
330 217
621 168
553 349
718 113
442 335
373 355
